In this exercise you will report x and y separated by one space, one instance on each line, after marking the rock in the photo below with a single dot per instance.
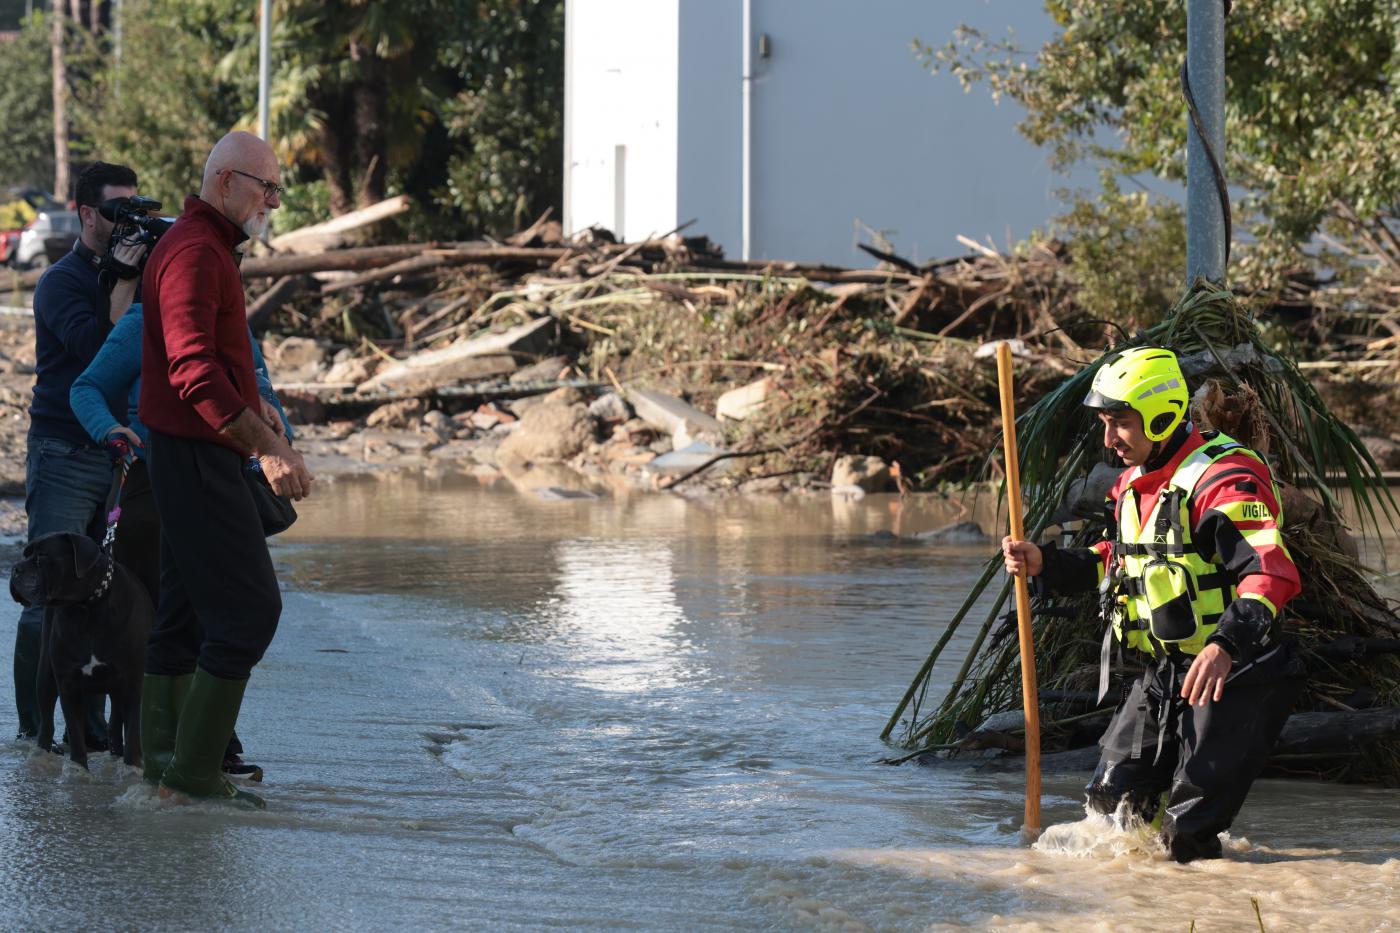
351 371
1007 721
628 454
439 425
549 432
1385 451
685 459
546 370
565 395
738 404
635 430
667 413
478 357
765 485
487 451
869 473
404 414
297 359
610 407
847 492
956 533
485 420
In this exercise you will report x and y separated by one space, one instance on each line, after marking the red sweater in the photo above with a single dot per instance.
196 359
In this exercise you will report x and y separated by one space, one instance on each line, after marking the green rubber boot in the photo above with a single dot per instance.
162 696
206 722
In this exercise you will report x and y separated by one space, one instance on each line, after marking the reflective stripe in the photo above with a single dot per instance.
1273 610
1263 537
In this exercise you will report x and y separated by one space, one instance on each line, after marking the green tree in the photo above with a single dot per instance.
171 97
457 103
507 120
26 108
26 101
1312 108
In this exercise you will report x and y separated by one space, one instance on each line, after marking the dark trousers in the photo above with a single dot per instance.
137 547
219 603
1209 757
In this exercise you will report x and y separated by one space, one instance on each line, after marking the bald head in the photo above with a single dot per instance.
241 181
242 151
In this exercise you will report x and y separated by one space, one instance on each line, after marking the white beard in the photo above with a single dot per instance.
255 226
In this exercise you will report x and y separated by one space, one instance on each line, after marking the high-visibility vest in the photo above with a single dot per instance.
1169 596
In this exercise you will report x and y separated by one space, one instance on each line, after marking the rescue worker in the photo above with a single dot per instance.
1192 583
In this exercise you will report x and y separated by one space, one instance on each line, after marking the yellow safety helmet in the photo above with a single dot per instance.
1147 380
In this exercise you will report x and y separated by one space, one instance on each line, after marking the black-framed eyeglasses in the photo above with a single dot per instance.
270 188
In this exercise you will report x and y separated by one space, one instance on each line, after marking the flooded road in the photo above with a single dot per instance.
489 711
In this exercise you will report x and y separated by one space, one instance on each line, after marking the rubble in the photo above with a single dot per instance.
553 431
869 474
738 404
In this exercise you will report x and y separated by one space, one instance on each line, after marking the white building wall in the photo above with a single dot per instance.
621 115
709 166
848 129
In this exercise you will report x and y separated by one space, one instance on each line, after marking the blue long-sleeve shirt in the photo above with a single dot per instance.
71 320
112 383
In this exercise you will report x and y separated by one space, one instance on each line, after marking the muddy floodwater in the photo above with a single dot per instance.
486 710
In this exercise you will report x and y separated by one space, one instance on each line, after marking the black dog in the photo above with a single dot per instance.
96 618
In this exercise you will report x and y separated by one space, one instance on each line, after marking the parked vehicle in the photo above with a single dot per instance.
46 239
20 208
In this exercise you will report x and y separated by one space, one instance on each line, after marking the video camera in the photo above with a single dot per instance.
133 219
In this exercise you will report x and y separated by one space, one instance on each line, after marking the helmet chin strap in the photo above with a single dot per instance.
1160 448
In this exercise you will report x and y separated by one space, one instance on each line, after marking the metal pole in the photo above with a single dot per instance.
1205 218
746 142
264 65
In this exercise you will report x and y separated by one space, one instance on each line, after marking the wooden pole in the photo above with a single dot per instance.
1023 596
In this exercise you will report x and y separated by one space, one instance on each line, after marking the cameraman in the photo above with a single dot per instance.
67 476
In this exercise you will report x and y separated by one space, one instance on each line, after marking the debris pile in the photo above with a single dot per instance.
757 372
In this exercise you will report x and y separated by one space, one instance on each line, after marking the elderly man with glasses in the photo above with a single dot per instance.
219 603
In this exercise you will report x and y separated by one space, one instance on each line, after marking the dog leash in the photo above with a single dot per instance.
120 452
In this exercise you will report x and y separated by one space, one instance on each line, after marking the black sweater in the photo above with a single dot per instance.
71 319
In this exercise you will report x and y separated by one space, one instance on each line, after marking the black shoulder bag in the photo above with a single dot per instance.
275 511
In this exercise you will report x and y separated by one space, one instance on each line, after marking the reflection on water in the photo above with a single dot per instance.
490 711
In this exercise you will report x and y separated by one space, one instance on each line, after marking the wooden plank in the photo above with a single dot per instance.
369 257
331 233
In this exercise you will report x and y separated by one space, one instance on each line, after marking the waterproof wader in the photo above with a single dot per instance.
1166 598
1203 758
